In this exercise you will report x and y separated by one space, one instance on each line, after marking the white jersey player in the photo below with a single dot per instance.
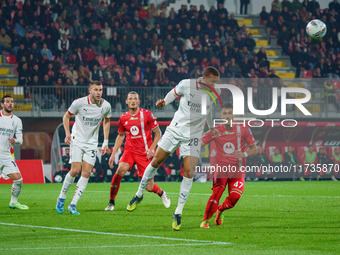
10 134
185 131
89 112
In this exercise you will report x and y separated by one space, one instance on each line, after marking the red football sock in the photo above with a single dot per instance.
230 201
213 202
115 183
156 189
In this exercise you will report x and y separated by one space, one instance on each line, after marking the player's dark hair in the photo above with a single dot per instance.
132 92
227 106
4 97
210 70
97 83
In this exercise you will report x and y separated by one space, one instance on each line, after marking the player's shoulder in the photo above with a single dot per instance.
184 82
125 115
105 103
81 100
245 128
16 118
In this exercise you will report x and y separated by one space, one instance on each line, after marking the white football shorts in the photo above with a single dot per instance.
80 153
170 141
8 166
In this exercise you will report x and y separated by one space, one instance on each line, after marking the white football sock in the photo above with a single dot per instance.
149 173
80 188
183 194
16 188
69 180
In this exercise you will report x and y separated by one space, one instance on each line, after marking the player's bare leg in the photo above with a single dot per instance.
190 163
154 188
115 184
68 181
149 173
16 188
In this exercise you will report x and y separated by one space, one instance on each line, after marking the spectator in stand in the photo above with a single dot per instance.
5 41
264 16
161 67
46 51
155 53
72 74
250 43
96 74
244 3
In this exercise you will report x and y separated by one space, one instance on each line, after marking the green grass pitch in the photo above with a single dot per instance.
270 218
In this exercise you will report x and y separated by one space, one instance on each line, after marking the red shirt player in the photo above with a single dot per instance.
231 151
137 125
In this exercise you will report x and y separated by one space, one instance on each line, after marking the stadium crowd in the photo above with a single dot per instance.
127 44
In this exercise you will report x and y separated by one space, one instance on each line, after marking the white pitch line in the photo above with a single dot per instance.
107 246
114 234
203 194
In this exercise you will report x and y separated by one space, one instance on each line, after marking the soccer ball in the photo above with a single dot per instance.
316 29
58 178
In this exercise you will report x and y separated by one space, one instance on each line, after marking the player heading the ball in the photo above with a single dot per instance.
185 131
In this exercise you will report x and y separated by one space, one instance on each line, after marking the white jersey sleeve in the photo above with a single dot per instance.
73 109
181 88
10 127
18 131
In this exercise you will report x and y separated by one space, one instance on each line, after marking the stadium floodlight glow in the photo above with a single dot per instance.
238 100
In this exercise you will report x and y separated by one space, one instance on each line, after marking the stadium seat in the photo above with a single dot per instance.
11 59
307 74
109 61
101 60
336 85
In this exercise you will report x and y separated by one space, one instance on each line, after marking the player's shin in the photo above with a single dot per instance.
16 188
115 184
80 188
183 194
213 202
147 177
69 180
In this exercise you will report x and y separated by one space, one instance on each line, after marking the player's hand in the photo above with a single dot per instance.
68 139
103 150
238 154
150 153
112 160
11 140
214 132
160 103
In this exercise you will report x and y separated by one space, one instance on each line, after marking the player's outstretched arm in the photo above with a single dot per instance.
106 128
118 143
170 97
66 123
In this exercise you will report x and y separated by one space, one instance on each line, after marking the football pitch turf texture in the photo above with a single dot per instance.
270 218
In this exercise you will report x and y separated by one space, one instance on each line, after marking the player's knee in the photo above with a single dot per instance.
233 198
156 162
149 187
218 191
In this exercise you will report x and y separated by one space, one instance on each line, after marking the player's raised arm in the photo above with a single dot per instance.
66 123
118 143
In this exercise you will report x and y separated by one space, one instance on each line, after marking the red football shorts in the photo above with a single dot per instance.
234 184
135 159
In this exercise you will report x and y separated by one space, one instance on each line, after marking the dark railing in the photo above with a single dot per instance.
50 101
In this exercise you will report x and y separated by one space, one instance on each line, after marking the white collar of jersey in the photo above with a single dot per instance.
89 101
1 114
